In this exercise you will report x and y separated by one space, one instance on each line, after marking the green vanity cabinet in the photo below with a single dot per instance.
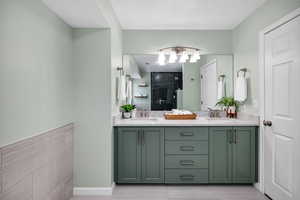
186 155
140 155
129 155
220 151
153 155
244 155
232 154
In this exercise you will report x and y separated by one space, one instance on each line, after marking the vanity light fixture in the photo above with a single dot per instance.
184 57
195 57
173 57
183 53
161 58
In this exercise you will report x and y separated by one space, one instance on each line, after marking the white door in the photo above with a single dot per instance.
282 109
208 75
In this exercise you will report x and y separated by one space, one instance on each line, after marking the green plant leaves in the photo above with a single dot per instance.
127 107
227 102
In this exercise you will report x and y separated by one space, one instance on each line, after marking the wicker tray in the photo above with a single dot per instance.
180 117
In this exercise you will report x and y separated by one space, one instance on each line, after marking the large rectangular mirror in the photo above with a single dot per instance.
192 86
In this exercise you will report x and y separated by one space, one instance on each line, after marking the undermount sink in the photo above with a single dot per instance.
220 118
144 119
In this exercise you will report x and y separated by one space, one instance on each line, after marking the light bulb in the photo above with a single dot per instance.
183 57
161 58
173 57
195 57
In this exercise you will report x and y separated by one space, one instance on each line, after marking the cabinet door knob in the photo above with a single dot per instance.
267 123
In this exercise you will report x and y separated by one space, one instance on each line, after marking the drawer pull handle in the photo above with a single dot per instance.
186 162
187 134
187 177
187 148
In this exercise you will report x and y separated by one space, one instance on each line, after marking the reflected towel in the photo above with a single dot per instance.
221 89
240 92
129 92
122 88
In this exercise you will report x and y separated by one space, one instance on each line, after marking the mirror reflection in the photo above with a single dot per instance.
194 86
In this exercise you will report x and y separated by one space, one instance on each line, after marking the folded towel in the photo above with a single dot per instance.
240 92
122 88
180 112
221 89
129 92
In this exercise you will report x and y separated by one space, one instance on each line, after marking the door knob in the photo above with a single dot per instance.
267 123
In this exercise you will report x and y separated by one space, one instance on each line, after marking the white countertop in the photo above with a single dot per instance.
200 121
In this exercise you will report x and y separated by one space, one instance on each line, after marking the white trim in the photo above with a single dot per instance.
280 22
209 63
93 191
113 185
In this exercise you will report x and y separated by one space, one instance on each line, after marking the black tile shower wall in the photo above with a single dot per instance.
163 90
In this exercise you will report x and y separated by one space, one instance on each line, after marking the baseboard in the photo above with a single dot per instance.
258 187
93 191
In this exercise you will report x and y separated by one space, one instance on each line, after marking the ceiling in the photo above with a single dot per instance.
155 14
183 14
79 13
148 63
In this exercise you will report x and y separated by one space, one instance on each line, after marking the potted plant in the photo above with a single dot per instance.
230 106
127 110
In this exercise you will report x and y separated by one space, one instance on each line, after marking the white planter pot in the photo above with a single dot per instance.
126 115
231 109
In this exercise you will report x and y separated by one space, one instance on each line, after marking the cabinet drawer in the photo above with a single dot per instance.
186 133
185 162
186 147
186 176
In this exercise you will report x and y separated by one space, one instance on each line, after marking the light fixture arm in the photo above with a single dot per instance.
179 49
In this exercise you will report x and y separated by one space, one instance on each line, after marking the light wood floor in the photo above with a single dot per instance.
150 192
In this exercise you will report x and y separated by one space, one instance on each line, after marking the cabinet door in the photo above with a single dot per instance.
244 155
152 155
129 155
220 155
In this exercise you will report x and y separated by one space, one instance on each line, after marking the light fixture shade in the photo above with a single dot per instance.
173 57
183 57
161 58
195 57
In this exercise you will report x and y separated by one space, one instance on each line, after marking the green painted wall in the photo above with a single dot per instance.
92 63
42 87
36 72
149 41
246 41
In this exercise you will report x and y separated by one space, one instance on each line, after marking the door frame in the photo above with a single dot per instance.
289 17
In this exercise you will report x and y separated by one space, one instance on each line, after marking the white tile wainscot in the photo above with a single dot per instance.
40 167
